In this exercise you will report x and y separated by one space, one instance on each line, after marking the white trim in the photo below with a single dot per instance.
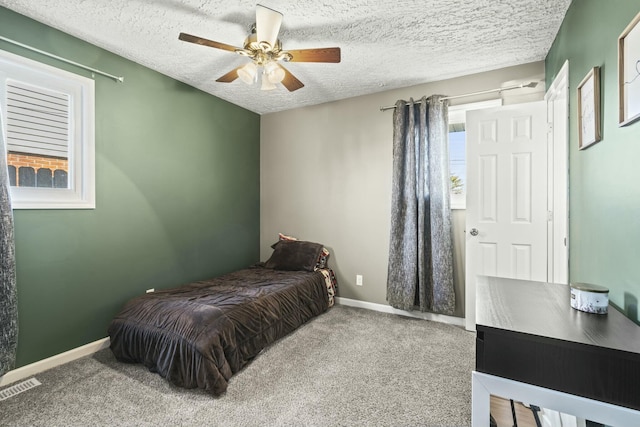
81 90
383 308
53 361
484 385
557 98
458 201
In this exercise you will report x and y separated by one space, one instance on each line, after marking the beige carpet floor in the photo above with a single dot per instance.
348 367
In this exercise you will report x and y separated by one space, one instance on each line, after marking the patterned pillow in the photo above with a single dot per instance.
323 258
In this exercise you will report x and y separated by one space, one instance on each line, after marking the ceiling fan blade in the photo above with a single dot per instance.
230 76
205 42
268 23
290 81
325 54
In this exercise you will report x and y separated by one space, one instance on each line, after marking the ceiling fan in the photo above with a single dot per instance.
264 49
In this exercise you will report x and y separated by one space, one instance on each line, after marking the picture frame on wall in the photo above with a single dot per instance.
629 73
589 109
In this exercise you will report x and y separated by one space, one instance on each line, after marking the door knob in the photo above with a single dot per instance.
473 232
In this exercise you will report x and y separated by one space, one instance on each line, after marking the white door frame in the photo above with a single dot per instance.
557 98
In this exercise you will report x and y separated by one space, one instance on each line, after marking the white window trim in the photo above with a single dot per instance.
457 114
81 191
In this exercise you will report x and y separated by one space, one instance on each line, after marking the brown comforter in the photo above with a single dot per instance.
199 335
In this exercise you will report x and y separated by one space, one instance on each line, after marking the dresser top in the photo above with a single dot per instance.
544 309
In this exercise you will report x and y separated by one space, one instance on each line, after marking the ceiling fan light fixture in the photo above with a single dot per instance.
273 72
266 84
248 73
263 48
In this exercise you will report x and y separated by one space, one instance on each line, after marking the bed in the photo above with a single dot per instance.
200 334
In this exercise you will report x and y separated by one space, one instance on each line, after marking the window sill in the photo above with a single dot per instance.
458 201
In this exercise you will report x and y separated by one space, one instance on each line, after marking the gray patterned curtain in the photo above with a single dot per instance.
420 253
8 296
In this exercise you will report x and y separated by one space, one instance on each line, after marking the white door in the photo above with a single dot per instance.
506 218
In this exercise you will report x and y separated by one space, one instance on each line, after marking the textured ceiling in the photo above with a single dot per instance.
385 45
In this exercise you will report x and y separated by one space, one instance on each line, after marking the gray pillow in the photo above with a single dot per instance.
294 255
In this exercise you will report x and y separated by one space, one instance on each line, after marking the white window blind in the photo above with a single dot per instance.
37 120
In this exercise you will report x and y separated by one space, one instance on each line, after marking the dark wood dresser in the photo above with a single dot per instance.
527 332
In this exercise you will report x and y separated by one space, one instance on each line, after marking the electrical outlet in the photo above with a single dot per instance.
151 290
358 279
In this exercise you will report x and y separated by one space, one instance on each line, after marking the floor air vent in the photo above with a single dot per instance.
18 388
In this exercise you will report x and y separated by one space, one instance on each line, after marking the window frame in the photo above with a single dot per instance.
457 114
81 155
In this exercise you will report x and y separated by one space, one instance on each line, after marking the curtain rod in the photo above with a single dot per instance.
530 84
59 58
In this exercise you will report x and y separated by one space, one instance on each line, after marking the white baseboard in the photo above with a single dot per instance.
53 361
442 318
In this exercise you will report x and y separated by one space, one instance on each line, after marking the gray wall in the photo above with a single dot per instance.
326 177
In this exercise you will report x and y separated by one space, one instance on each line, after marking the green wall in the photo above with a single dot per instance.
177 199
604 178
